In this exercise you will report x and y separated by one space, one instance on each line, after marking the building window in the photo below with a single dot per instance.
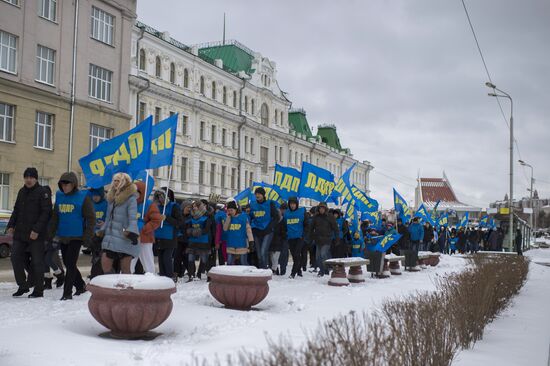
246 144
212 174
224 137
201 172
214 90
6 122
185 78
99 134
100 81
4 191
250 179
276 116
13 2
184 123
213 134
222 177
234 99
246 104
142 59
252 107
233 178
48 9
43 128
252 145
224 95
158 112
234 140
202 132
246 177
158 67
184 167
201 89
172 73
281 154
296 157
276 151
142 110
264 151
8 52
44 182
264 115
282 118
103 25
45 64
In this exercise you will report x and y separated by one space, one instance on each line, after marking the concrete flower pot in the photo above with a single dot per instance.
130 305
434 259
239 287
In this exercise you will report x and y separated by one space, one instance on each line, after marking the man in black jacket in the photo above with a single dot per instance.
323 231
28 224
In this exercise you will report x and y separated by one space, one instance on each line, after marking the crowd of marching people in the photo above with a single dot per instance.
124 229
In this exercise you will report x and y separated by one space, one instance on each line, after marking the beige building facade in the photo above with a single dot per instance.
52 79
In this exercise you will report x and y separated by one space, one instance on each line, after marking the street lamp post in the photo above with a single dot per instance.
511 197
531 192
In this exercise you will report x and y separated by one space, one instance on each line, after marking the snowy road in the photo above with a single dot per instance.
49 332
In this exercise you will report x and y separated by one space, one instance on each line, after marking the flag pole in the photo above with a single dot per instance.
144 193
166 193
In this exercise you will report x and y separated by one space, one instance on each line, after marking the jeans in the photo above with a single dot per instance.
51 261
231 258
323 253
20 250
166 262
180 258
415 245
296 246
191 262
262 249
70 252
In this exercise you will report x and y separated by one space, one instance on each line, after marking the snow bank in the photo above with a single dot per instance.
241 271
148 281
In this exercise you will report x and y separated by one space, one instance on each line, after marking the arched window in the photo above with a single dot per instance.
282 120
246 104
234 99
172 73
252 107
157 67
185 78
276 116
201 89
214 90
264 112
142 59
224 95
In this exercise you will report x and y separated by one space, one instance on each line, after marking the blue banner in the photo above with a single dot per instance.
443 220
464 221
163 142
315 183
375 219
243 197
385 243
128 153
343 186
270 192
484 221
147 179
352 193
363 202
286 181
401 208
424 215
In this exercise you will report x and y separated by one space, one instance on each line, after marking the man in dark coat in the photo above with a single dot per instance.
323 231
519 241
28 224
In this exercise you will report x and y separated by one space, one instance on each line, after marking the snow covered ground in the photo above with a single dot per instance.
521 334
50 332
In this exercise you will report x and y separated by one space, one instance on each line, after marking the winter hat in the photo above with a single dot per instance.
232 204
284 206
322 204
31 172
293 199
260 190
186 203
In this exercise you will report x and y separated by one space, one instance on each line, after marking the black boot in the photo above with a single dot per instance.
60 279
48 283
36 294
67 297
80 292
20 292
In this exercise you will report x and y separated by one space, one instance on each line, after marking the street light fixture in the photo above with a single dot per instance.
511 196
523 163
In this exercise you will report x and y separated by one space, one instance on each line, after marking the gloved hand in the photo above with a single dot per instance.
196 233
251 246
132 236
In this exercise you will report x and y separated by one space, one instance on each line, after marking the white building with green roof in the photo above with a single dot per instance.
235 122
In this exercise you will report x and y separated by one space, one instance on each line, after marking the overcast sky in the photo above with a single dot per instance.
402 80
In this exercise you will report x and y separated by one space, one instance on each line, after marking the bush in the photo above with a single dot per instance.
420 329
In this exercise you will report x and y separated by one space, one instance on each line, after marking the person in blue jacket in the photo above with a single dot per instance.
417 233
166 236
199 232
100 206
238 234
264 214
295 218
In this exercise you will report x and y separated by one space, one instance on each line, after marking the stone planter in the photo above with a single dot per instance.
434 259
130 305
239 287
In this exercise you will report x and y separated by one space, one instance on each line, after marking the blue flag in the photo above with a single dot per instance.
147 179
385 243
424 215
315 183
401 207
163 142
286 181
374 218
363 202
243 197
128 153
352 193
343 186
464 221
484 221
443 220
270 192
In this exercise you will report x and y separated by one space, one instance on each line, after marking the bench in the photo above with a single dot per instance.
428 259
338 276
392 264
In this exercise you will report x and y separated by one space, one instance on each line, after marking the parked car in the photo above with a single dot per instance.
6 240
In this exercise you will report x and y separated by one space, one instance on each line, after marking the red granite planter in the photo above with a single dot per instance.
434 259
239 287
128 309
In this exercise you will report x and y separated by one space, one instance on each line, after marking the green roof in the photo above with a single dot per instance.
235 56
298 122
329 136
